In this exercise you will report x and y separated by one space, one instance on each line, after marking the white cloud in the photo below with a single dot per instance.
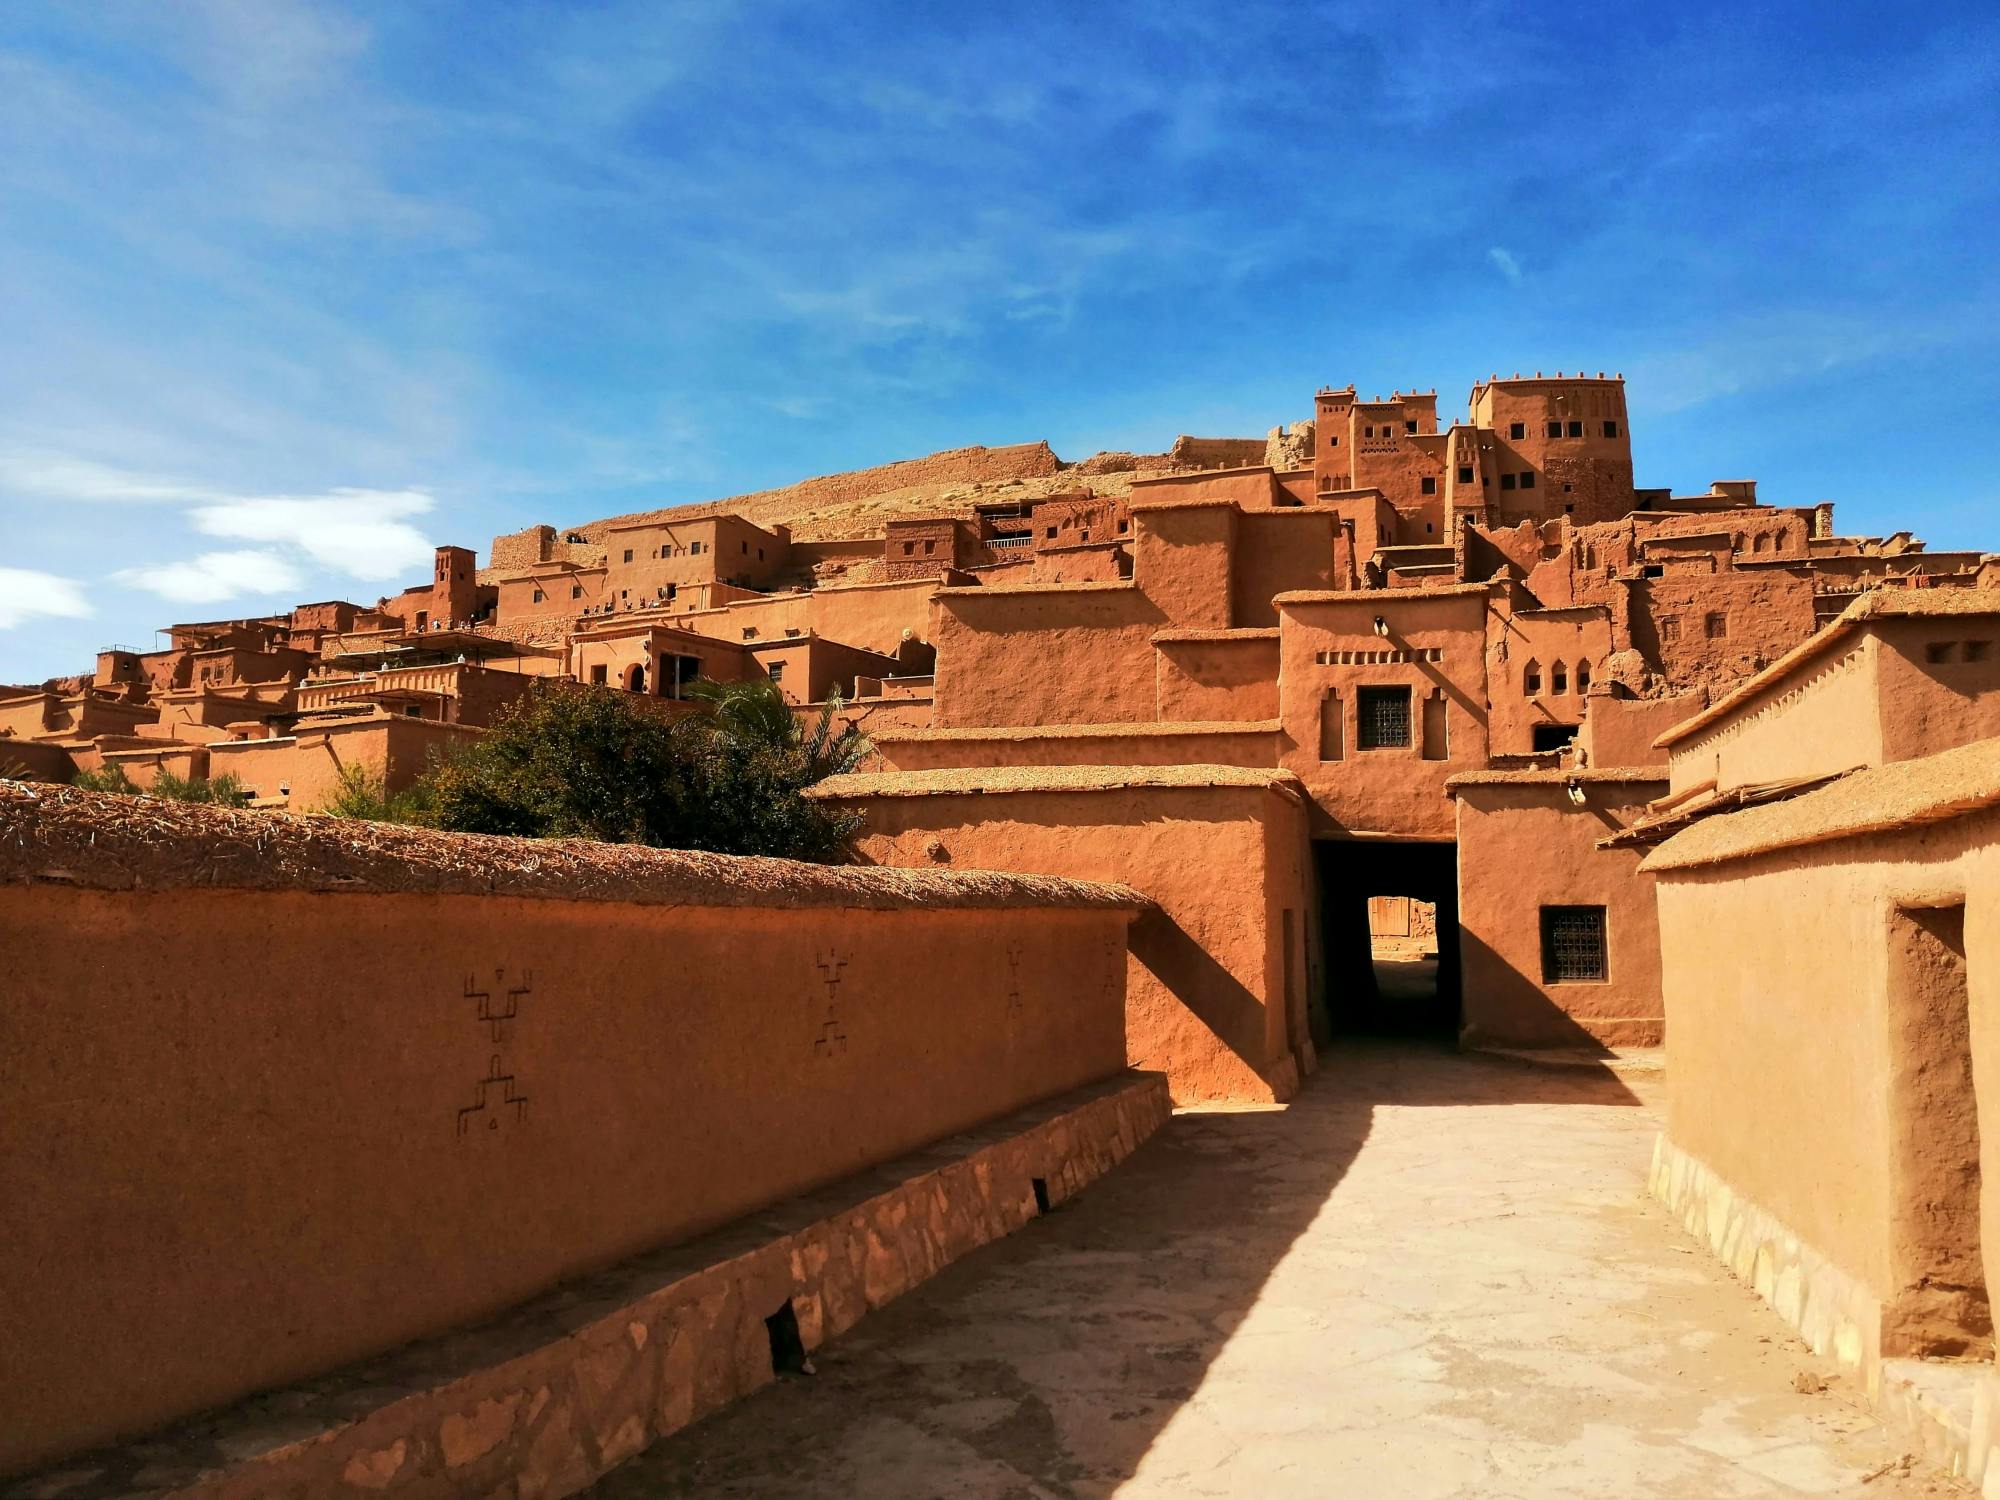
215 576
25 593
1508 265
362 533
61 476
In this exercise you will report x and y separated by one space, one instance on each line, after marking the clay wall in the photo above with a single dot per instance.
302 770
31 716
882 617
1205 1001
1806 1073
29 760
552 593
1075 654
1524 845
1333 447
1619 731
1207 676
1396 448
1540 665
523 1075
1086 562
1215 453
923 548
611 659
1715 630
807 669
1939 681
467 694
1434 652
523 548
1167 744
1276 552
1184 558
1582 470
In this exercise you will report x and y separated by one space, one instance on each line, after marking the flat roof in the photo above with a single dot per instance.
979 592
1378 596
1219 633
1880 799
1874 604
1139 730
1557 776
1001 780
102 841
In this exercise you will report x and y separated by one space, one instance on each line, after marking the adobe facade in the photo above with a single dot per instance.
1451 643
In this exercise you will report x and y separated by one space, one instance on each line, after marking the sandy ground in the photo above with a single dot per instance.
1431 1276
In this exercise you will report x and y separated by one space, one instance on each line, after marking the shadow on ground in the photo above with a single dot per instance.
1049 1364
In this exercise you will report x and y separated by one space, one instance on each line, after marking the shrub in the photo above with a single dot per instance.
571 761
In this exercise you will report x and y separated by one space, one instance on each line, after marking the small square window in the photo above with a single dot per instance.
1429 484
538 596
1576 429
1465 474
929 548
1940 651
1670 629
1333 440
1528 479
1384 714
1654 570
576 591
1052 534
1611 429
599 675
1976 650
909 549
628 554
1717 626
1573 945
1555 429
1409 426
1506 481
777 671
1518 430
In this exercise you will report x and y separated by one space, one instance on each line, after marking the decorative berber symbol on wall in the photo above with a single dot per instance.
497 1013
832 1035
495 1101
496 1096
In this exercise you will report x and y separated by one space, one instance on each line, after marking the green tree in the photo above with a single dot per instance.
571 761
756 712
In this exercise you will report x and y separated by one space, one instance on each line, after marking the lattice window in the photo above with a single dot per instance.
1384 718
1573 945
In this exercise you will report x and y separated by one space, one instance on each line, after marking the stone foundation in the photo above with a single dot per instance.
1950 1408
543 1401
1832 1311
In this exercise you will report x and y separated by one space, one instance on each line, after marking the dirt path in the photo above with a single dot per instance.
1432 1276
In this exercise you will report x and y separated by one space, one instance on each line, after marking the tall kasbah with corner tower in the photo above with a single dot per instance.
1363 664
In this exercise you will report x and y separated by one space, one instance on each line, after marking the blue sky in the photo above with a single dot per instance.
290 292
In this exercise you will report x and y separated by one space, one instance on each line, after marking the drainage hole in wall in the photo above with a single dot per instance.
788 1350
1041 1194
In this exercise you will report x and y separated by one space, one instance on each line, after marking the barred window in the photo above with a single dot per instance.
1384 714
1573 944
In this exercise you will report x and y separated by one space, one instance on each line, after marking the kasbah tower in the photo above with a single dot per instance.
1187 769
1370 681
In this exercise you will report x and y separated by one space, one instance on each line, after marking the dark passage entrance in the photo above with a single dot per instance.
1385 988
